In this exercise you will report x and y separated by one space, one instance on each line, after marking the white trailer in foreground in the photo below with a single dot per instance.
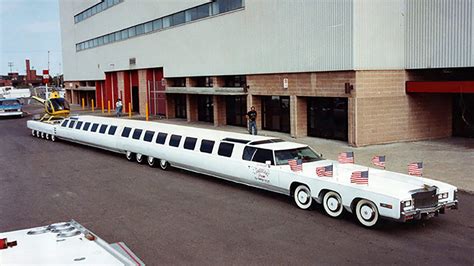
261 162
65 243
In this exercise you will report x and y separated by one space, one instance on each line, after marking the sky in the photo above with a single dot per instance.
28 29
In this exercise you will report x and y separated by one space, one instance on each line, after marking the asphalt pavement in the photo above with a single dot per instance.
178 217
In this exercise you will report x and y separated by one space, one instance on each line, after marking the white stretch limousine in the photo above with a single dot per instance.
261 162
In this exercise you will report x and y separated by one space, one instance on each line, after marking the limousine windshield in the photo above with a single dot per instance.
306 154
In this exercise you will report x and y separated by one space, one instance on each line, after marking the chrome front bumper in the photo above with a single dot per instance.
10 113
426 213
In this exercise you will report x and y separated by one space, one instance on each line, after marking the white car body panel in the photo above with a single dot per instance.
385 188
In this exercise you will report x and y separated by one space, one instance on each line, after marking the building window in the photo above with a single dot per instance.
177 18
205 108
236 108
191 14
176 82
200 12
235 81
204 81
207 146
180 106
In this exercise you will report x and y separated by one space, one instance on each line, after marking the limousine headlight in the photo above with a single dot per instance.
443 196
407 203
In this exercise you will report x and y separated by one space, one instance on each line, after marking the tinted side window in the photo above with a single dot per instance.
126 132
175 140
94 127
79 124
263 155
206 146
112 130
86 126
248 153
148 135
102 129
137 133
190 143
64 123
225 149
71 125
161 138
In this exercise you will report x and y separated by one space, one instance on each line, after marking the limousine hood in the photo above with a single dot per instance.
380 181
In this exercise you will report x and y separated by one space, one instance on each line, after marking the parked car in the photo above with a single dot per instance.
10 107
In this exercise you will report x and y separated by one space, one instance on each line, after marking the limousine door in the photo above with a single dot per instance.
260 169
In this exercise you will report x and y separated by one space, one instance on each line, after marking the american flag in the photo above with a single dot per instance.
415 169
379 161
324 170
346 157
296 165
360 177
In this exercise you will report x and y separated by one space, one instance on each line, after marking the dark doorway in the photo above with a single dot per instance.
205 108
135 100
327 117
180 106
236 108
276 113
463 115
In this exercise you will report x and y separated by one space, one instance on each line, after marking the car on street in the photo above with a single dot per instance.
10 107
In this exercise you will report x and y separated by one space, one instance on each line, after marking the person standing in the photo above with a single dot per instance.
252 117
118 107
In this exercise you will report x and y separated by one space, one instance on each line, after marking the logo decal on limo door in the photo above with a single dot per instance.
260 174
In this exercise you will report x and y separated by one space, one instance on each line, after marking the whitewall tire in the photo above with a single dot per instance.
302 197
38 134
151 161
332 203
42 135
164 165
47 136
33 132
130 156
53 138
367 213
139 157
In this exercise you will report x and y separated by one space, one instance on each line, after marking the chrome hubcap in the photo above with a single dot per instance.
366 212
333 204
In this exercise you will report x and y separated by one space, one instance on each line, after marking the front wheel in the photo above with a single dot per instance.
302 197
367 213
164 165
332 204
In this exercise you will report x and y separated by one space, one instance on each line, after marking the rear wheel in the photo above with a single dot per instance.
151 161
367 213
139 158
332 203
302 197
164 165
130 156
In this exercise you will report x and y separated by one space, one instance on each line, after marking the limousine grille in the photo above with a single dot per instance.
425 198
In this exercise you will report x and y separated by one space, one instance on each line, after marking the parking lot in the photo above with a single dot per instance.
178 217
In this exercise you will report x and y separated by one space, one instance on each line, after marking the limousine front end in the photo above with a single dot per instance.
426 203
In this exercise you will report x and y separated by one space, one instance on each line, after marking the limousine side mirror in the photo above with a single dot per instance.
268 163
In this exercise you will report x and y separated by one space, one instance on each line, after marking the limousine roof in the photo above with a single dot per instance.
257 141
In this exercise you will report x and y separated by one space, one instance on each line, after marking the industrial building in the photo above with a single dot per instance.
362 71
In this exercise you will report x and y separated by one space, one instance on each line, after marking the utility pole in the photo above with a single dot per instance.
10 64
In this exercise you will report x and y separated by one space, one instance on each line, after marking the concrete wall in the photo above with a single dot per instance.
265 37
